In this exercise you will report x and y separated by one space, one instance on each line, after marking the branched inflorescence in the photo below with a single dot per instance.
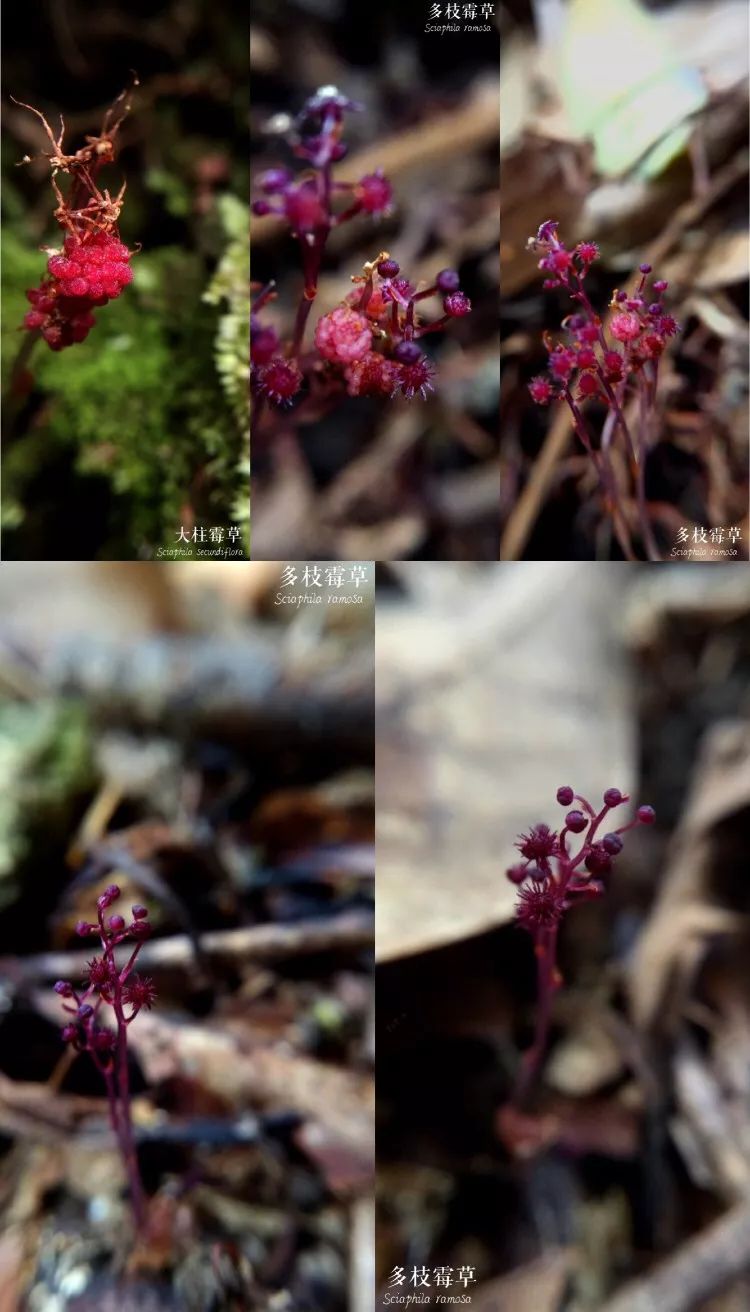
368 344
93 265
127 994
552 878
614 370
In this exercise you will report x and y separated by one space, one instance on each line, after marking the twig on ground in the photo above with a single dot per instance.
255 943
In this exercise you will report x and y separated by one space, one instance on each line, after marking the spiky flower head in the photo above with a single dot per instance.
539 906
139 992
539 844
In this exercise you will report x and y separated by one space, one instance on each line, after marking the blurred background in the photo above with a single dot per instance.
177 729
373 479
112 444
626 120
496 684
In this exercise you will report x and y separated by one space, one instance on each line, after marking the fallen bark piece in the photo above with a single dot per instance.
260 1077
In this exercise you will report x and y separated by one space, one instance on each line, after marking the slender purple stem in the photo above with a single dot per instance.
109 1050
125 1131
547 985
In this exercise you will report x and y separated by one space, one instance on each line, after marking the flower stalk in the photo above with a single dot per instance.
120 989
552 878
590 367
366 346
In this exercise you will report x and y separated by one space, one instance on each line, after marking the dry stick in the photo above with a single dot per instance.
521 520
351 930
701 1268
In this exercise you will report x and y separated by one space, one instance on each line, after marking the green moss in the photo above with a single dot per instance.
46 764
230 287
148 407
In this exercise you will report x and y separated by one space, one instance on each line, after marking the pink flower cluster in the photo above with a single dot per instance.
368 344
127 994
551 877
369 341
587 361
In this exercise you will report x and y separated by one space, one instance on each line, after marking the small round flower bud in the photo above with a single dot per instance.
139 912
576 821
388 268
660 285
68 1033
374 192
562 362
565 795
261 208
625 326
448 281
645 268
517 874
274 180
116 923
612 797
457 304
587 251
646 815
612 843
343 335
654 308
84 1011
589 332
264 342
280 380
668 325
83 928
588 385
112 892
407 353
139 929
558 261
598 860
64 988
542 391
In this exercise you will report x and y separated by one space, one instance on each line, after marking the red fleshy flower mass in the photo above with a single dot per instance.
93 266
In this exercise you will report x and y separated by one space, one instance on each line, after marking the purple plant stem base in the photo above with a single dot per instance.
125 1123
606 478
548 982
